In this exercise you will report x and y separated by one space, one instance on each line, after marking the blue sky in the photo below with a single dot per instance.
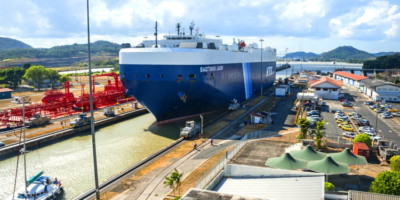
292 25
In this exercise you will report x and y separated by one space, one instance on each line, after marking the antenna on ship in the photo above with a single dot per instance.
155 34
178 27
191 27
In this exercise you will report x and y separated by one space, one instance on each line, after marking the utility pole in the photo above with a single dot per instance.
93 133
201 117
261 40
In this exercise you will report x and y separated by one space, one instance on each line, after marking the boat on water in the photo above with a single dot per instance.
40 187
184 76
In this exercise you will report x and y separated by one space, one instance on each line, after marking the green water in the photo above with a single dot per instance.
118 147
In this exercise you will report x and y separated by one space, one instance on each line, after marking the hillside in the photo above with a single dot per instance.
8 43
346 53
301 55
383 53
384 62
76 50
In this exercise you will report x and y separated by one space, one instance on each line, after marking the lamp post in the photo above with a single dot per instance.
261 40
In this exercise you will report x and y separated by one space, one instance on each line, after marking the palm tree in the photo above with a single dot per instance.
176 176
304 124
170 183
318 133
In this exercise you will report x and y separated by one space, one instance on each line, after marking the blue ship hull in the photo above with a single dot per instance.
172 92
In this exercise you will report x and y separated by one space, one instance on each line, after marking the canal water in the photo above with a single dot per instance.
118 147
324 67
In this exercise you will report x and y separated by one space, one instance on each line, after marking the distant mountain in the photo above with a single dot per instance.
301 55
75 50
8 43
383 53
346 53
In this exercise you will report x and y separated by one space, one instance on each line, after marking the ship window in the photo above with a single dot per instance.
192 75
179 76
147 75
212 74
161 75
205 74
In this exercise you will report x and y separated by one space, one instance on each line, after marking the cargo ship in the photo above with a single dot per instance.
183 76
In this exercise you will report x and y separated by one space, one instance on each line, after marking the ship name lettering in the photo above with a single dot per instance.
212 68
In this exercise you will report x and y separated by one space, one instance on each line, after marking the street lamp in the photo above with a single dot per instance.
261 40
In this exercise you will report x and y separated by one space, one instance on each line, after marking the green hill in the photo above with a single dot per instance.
8 43
384 62
346 53
76 50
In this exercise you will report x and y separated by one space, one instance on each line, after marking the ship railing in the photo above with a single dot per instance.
215 174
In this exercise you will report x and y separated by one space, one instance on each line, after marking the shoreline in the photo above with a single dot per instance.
323 64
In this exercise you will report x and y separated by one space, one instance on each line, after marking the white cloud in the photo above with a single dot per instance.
121 20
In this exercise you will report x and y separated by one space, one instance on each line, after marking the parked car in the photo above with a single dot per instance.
396 114
368 102
346 127
373 136
392 110
374 106
340 121
344 117
379 110
313 112
349 134
364 129
386 115
362 122
347 104
323 103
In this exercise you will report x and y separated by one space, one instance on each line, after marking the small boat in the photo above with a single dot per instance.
40 188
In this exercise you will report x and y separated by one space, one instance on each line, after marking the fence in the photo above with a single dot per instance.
216 171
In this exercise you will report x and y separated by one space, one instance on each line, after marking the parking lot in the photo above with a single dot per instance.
387 129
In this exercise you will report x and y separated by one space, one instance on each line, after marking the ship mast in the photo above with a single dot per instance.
156 34
178 27
191 27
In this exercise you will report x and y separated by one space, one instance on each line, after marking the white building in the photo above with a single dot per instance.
350 79
326 88
248 182
381 91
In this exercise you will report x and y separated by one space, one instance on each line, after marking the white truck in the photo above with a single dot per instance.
191 129
234 105
81 120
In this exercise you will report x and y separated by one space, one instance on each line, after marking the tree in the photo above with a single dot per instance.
12 76
26 66
395 163
53 76
64 78
304 125
176 176
365 138
318 133
170 183
36 74
387 182
329 186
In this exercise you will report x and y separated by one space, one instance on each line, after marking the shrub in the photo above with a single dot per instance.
395 163
329 186
387 182
363 138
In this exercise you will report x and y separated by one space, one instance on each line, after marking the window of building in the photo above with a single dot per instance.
192 75
179 76
334 89
161 75
147 75
325 89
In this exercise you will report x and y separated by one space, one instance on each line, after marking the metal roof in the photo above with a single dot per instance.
375 83
355 77
323 80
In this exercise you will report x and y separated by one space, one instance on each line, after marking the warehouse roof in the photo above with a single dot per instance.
355 77
6 90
